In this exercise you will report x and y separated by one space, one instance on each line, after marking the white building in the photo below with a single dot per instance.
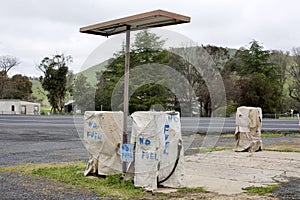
18 107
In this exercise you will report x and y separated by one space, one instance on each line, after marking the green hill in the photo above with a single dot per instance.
90 73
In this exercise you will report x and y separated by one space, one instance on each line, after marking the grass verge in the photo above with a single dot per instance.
263 134
274 134
45 110
208 150
282 150
261 190
112 186
72 175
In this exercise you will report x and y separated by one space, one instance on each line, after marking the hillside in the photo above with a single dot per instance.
90 73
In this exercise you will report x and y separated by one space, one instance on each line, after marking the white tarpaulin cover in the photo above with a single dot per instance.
159 152
248 129
102 138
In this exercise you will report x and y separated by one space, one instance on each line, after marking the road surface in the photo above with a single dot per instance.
188 125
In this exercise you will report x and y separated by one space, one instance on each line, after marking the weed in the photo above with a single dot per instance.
261 190
283 150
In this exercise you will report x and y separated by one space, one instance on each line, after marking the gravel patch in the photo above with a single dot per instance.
20 186
289 190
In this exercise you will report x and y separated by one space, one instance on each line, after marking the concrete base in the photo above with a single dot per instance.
227 172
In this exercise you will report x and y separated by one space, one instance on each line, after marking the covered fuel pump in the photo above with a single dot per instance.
102 138
159 154
248 129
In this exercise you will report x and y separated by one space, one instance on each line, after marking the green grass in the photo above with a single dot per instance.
265 134
287 117
261 190
216 149
37 91
282 150
273 135
182 193
112 186
189 190
207 150
72 175
279 134
45 110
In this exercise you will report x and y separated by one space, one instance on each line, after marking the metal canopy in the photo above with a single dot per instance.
156 18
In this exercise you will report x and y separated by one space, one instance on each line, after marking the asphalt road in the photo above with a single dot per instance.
188 125
58 138
36 139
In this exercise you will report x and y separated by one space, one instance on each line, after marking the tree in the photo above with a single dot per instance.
55 71
259 77
210 60
70 83
147 48
141 98
282 60
219 55
21 87
4 85
256 60
83 93
17 87
183 65
294 72
145 41
261 92
8 62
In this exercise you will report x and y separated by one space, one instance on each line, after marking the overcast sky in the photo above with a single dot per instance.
33 29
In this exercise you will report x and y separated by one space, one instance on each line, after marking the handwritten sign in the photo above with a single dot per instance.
127 152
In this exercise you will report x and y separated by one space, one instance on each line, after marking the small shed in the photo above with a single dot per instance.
69 106
19 107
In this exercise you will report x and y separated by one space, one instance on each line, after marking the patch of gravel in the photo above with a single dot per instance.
20 186
289 190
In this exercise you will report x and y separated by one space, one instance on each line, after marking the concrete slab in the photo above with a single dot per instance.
227 172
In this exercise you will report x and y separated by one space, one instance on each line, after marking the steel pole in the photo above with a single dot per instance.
126 88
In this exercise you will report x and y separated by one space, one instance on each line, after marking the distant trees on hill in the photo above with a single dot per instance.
252 76
16 87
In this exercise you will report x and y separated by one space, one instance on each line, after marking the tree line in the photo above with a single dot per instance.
252 76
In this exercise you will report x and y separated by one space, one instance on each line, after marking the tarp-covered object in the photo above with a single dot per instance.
248 129
102 138
159 153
